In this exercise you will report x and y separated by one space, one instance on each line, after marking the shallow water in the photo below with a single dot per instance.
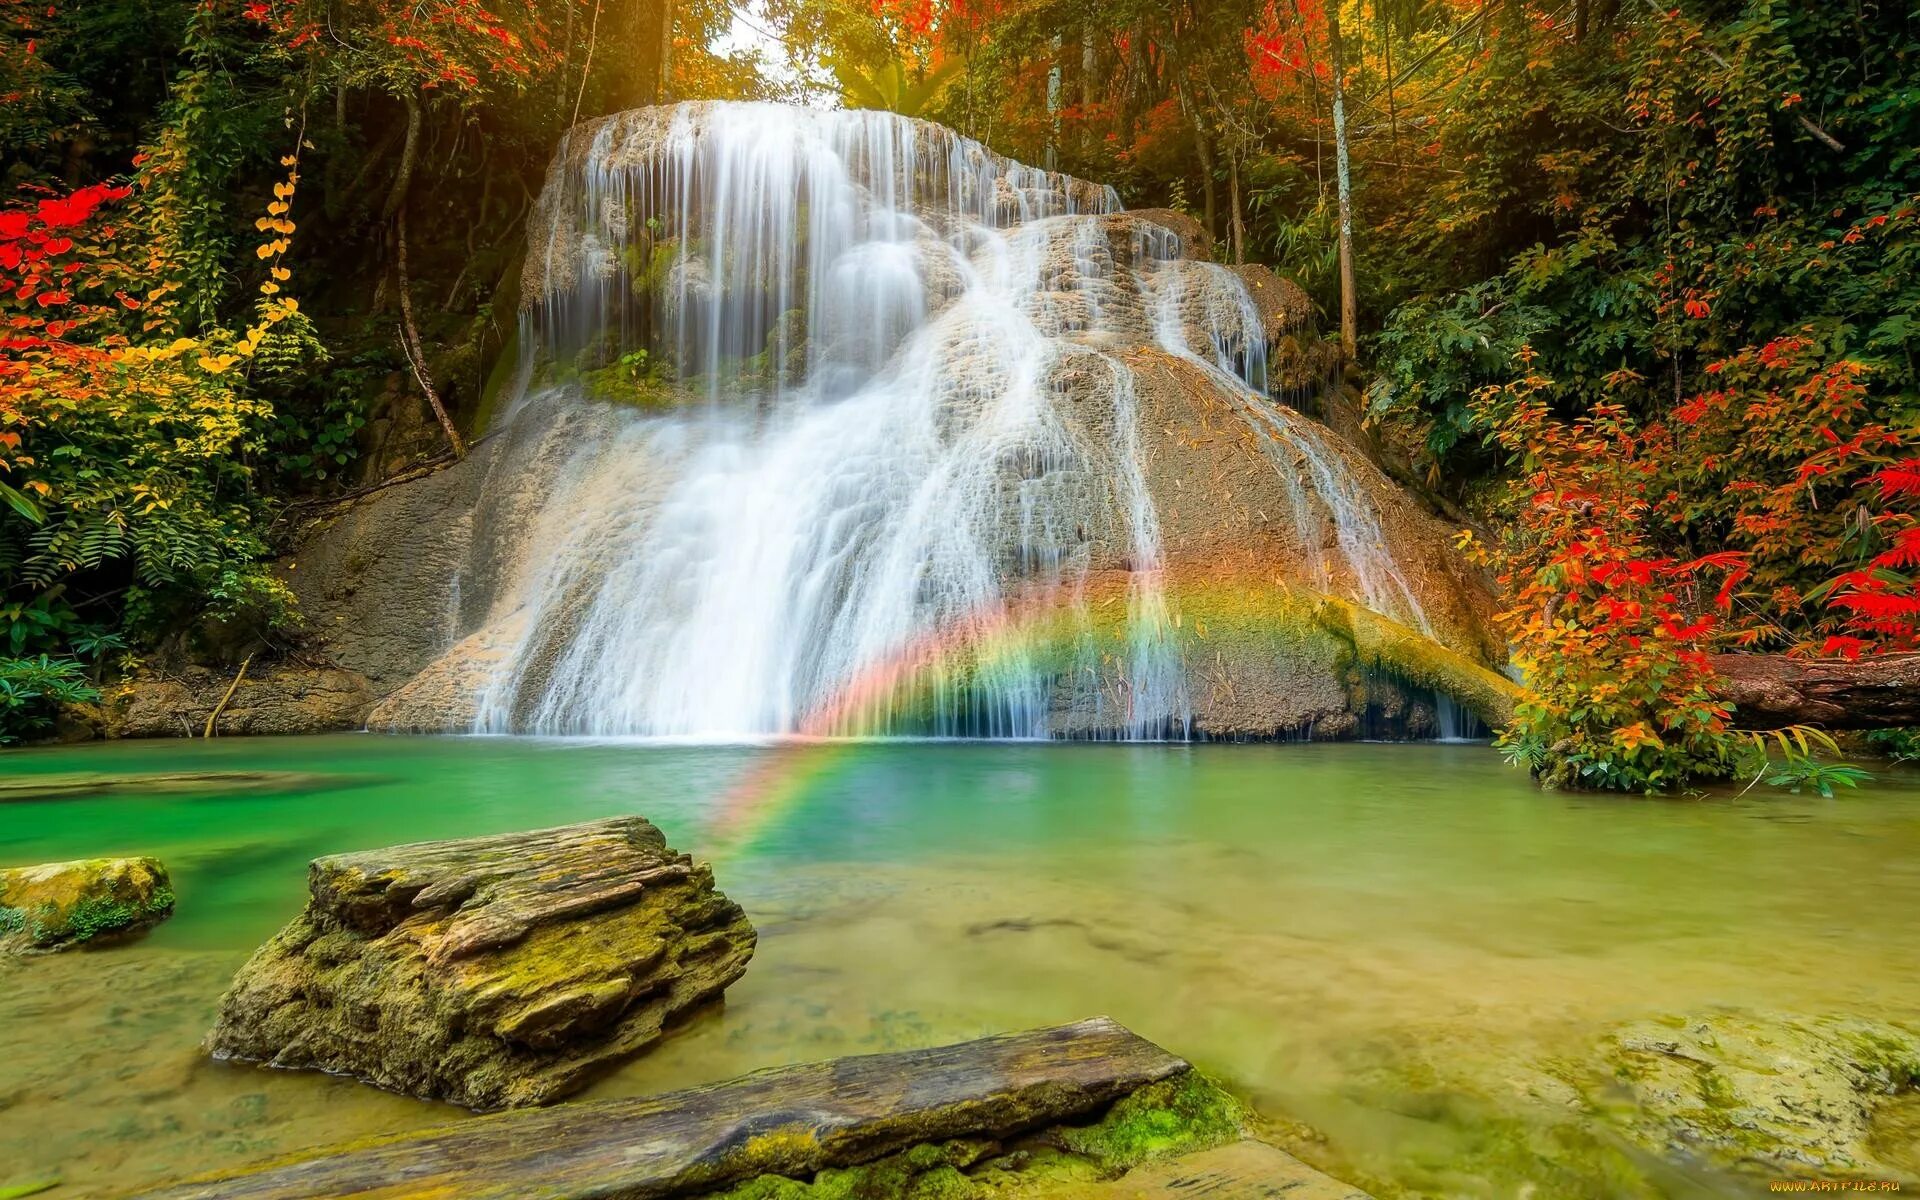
1374 944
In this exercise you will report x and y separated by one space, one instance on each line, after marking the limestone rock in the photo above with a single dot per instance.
1195 242
1300 362
1783 1095
494 972
57 906
1242 1170
277 698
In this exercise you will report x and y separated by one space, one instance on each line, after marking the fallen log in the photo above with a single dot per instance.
792 1121
1769 691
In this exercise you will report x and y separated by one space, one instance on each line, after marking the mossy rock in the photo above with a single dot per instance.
59 906
1770 1094
494 972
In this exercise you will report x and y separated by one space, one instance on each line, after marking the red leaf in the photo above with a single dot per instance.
1900 479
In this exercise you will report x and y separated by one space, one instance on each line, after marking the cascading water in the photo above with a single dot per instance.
882 400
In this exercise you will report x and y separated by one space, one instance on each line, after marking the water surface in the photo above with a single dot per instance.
1376 945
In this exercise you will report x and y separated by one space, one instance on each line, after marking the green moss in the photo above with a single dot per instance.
1891 1060
1176 1116
12 920
935 1171
95 916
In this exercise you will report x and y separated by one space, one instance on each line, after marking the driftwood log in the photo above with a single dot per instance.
493 972
1770 690
792 1121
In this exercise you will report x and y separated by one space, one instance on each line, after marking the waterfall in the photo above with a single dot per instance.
863 392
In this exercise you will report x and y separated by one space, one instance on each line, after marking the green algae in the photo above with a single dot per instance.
1169 1119
97 916
1173 1117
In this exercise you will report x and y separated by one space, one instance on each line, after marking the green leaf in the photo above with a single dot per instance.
29 508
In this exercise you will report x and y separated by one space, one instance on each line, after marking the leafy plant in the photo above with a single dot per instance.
32 689
1609 631
1899 745
1797 775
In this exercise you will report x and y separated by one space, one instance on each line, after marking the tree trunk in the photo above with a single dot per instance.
409 155
1203 147
586 68
1393 107
410 341
1087 67
666 51
1342 169
1055 100
1236 225
1772 690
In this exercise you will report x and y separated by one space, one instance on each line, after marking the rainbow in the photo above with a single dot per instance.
1195 605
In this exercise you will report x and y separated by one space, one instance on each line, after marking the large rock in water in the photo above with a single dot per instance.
493 972
59 906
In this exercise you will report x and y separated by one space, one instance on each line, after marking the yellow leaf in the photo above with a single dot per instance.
217 364
278 207
283 190
264 250
269 288
263 224
280 273
283 226
287 160
180 345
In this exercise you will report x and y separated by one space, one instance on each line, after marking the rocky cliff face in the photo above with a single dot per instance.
967 427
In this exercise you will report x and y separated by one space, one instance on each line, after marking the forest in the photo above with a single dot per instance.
1628 292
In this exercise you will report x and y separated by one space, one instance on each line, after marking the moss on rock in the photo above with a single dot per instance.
1176 1116
58 906
1767 1093
493 972
1181 1115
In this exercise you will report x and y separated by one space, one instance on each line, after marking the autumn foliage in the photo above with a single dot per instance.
456 45
1610 629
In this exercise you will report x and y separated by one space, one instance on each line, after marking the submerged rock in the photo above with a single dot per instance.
494 972
1777 1094
58 906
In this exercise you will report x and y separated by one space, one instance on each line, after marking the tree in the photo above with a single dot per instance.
1343 173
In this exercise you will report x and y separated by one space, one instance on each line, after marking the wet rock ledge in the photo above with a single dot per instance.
493 972
1077 1104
